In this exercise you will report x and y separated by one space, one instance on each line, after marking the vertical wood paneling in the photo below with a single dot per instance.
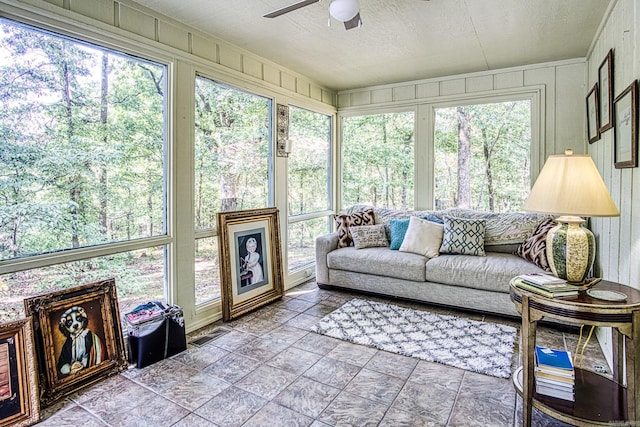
230 57
101 10
546 76
173 36
251 67
137 22
204 48
570 111
618 238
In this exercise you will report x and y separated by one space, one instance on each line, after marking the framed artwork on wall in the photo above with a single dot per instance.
250 260
625 142
19 397
78 338
605 95
592 115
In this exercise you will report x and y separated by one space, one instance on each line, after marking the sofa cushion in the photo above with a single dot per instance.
534 248
369 236
463 236
343 222
423 237
491 272
380 262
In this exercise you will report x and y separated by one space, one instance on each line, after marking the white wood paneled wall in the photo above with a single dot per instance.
133 20
560 88
618 239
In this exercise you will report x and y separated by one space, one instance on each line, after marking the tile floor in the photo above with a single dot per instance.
266 369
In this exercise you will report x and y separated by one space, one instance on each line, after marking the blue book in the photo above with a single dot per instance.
554 359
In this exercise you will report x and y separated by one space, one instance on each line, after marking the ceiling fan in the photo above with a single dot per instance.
347 11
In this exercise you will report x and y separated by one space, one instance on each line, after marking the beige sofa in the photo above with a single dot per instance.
478 283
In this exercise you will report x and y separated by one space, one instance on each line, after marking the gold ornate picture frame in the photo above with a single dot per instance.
250 260
78 338
19 399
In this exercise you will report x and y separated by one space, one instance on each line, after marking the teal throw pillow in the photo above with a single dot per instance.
397 229
463 236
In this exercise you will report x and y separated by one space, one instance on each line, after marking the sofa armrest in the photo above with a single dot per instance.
324 244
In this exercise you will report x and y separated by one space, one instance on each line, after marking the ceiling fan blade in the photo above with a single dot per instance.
289 8
354 22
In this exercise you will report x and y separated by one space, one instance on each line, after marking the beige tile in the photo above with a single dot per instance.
351 410
266 381
307 396
231 408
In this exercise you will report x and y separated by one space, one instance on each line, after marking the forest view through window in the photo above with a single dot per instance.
482 156
82 163
308 184
378 160
232 167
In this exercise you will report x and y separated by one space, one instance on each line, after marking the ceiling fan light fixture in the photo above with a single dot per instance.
344 10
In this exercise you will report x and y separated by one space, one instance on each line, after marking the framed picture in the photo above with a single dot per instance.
19 400
605 95
625 142
78 338
592 115
250 260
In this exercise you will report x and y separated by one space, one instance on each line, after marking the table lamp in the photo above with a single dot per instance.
570 185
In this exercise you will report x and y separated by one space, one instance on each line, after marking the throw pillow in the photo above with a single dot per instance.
343 222
397 230
534 248
369 236
423 237
463 236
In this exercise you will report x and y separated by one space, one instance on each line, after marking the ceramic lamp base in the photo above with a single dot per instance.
571 249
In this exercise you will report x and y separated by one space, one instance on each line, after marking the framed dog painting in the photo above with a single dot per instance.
250 260
19 400
78 338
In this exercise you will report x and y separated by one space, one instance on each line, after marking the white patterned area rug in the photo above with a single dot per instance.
482 347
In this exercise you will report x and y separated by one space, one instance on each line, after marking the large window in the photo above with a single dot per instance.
378 160
308 183
482 156
232 167
82 164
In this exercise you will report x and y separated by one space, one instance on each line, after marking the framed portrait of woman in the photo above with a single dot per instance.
250 260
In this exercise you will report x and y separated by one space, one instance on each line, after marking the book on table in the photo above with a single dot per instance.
551 291
542 279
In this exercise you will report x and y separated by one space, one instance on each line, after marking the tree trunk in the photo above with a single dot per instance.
486 150
464 159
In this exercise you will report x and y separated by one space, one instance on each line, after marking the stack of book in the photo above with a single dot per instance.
545 284
554 374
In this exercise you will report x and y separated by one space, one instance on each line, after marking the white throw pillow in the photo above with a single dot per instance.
369 236
423 237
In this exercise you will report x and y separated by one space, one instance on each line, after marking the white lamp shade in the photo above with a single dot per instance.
570 184
344 10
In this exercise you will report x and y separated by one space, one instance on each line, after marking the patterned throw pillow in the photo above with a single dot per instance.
463 236
534 248
369 236
343 222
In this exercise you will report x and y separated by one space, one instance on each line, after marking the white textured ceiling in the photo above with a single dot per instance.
399 40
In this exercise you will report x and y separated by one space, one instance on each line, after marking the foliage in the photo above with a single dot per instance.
232 150
378 160
82 145
500 136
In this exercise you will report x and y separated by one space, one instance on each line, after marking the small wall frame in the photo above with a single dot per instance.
593 123
605 95
625 113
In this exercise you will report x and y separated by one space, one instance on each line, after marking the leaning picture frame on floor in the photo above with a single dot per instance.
625 139
19 396
593 123
250 260
77 336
